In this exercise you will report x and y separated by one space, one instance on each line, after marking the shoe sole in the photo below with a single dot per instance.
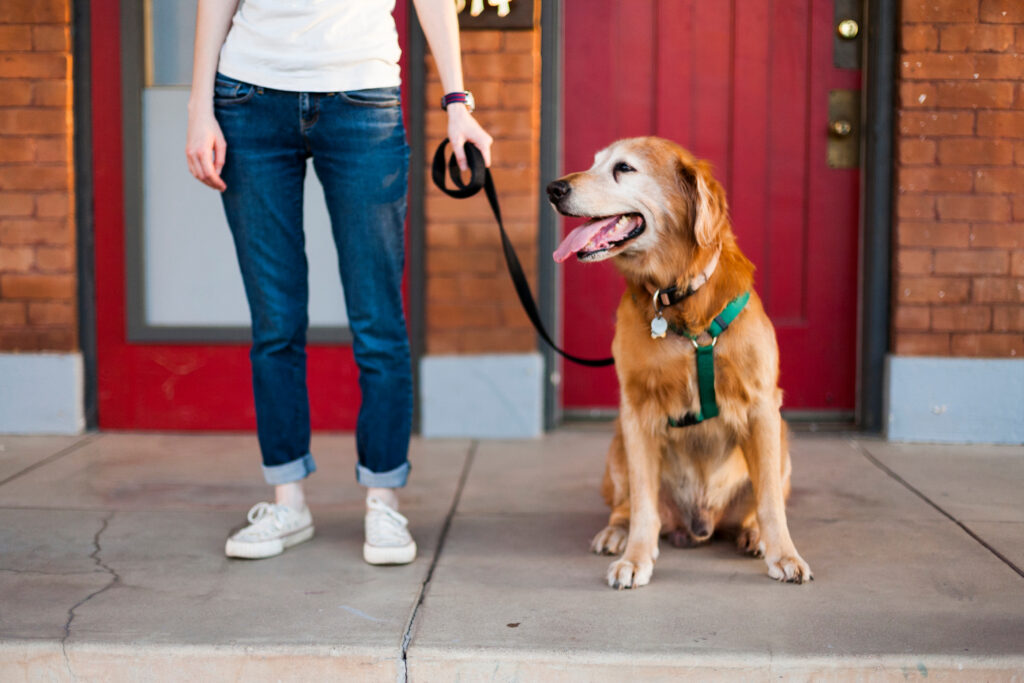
400 555
264 549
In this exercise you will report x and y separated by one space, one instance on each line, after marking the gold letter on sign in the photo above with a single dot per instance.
476 7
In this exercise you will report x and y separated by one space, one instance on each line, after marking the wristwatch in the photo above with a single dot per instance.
464 96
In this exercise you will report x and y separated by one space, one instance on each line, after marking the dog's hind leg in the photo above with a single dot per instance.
740 520
748 540
615 488
611 540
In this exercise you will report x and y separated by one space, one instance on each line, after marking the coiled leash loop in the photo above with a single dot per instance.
481 178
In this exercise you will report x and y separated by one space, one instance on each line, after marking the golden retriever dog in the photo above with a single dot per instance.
661 217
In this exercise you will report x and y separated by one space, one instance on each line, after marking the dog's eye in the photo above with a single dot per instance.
623 167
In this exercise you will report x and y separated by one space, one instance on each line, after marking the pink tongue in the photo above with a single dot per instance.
581 236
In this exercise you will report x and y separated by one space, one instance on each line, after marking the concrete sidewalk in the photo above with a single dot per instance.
112 568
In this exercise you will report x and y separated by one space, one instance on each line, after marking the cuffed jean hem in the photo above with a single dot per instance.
392 479
290 471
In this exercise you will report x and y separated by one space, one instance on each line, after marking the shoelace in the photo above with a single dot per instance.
385 527
266 511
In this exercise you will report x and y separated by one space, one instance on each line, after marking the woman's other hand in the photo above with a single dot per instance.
206 148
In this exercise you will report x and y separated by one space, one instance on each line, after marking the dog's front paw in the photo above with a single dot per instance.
610 540
790 568
625 574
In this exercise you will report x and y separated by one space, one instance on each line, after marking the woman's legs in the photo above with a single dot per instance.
358 146
264 172
362 159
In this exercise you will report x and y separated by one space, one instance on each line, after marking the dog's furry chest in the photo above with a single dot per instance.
664 384
702 467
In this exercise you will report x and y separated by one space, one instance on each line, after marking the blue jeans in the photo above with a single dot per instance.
357 142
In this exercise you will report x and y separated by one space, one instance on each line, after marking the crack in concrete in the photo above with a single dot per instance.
403 662
114 579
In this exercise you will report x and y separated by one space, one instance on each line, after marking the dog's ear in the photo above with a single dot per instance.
710 205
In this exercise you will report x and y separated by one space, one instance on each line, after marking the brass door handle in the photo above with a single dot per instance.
848 29
841 128
842 146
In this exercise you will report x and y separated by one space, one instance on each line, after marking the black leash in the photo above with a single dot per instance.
481 178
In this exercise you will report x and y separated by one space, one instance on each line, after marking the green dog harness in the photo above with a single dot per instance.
706 363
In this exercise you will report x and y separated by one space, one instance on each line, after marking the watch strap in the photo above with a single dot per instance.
461 97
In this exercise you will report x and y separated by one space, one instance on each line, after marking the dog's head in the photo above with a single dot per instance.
651 206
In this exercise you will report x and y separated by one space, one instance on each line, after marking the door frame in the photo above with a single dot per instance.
876 211
81 108
549 280
875 218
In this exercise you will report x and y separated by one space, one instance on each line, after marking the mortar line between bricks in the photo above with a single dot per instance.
51 458
403 672
910 487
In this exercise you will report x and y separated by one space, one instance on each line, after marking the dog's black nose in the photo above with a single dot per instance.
558 189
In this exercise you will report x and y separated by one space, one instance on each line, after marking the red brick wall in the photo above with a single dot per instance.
959 230
471 305
37 253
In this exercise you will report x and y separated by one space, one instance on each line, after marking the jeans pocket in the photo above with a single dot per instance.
230 91
373 97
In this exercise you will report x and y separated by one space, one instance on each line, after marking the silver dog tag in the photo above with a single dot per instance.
659 327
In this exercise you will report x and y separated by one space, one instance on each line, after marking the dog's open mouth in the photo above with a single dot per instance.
598 237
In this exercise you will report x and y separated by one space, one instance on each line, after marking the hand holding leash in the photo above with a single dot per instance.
464 130
480 178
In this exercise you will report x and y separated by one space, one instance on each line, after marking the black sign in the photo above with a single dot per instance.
492 14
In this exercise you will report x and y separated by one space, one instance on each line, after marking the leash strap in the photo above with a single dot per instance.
480 178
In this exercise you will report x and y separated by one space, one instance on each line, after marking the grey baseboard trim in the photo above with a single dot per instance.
493 396
955 400
42 393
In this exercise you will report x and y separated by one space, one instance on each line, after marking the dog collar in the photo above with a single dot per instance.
670 296
706 363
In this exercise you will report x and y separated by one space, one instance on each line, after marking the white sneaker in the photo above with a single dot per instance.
387 535
272 528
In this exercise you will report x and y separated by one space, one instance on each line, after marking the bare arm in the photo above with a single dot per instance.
441 27
205 148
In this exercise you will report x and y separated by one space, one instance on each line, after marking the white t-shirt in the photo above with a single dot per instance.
313 45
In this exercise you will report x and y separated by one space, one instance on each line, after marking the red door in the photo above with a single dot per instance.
746 85
181 386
